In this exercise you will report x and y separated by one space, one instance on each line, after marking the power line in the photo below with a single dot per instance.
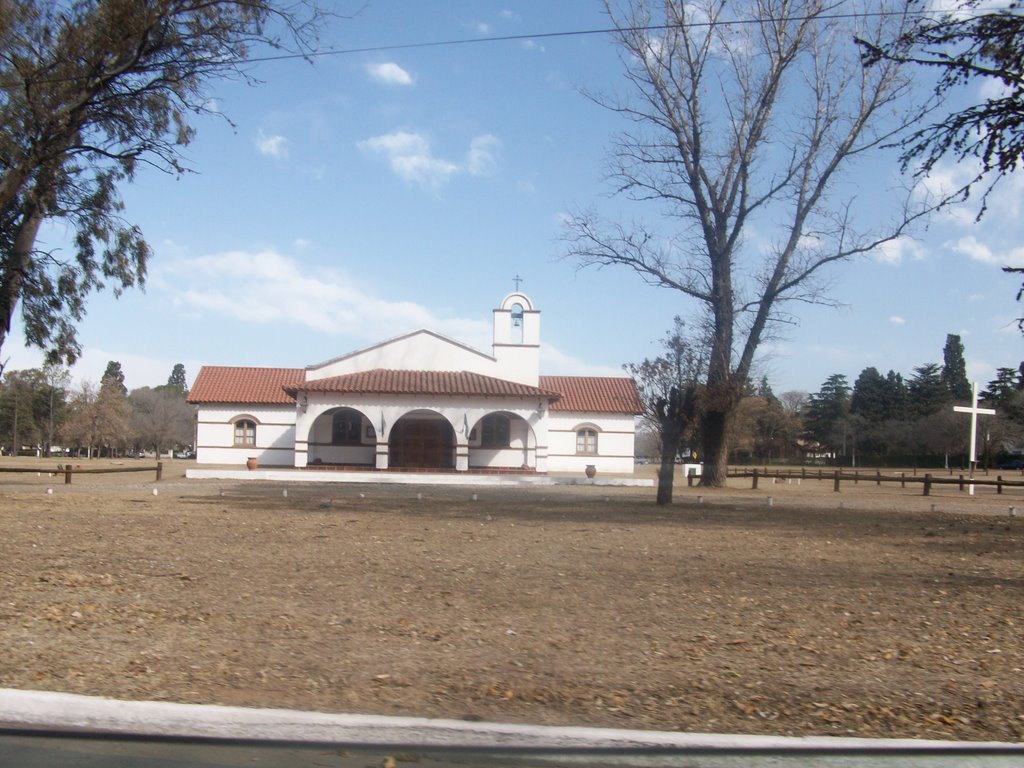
554 35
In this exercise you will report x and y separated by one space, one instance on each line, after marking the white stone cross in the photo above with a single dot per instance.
974 410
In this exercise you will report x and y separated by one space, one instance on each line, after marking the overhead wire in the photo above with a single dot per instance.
553 35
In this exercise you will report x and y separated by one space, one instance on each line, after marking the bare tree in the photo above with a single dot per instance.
669 390
160 418
743 124
97 419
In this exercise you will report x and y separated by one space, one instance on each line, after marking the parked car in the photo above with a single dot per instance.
184 454
1011 464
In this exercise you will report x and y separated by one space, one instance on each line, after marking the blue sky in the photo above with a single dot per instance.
375 193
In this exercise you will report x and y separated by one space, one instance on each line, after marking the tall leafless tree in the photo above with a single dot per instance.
743 118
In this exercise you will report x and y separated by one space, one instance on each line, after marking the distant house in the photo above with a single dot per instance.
421 401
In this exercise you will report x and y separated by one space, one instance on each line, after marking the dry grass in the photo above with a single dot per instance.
582 605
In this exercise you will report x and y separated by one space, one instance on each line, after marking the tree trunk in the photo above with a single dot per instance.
716 449
667 473
15 266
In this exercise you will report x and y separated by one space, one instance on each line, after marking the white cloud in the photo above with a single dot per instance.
139 370
976 250
559 363
480 160
973 249
897 320
389 72
896 251
272 146
268 288
411 158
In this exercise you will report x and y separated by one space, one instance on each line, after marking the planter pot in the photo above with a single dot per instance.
591 470
251 463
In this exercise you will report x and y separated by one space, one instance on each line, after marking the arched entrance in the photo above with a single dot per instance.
422 440
342 436
502 440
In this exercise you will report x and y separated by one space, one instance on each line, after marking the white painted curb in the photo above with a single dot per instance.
410 478
63 711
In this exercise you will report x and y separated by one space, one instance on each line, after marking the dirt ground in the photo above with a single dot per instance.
873 612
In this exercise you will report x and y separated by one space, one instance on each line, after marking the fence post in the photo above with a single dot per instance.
903 479
878 477
67 475
961 481
159 470
754 486
856 476
927 484
999 484
835 482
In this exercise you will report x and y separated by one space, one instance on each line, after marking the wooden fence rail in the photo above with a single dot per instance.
68 470
838 477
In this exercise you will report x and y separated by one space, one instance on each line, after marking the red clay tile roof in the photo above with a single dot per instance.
382 381
594 394
230 384
278 386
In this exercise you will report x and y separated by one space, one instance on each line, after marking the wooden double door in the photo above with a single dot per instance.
422 443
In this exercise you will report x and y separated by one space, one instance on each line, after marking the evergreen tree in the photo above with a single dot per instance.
954 369
1004 388
869 412
826 419
764 389
91 91
896 396
979 44
927 391
113 376
870 396
177 379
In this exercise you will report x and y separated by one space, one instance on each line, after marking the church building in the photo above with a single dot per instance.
421 401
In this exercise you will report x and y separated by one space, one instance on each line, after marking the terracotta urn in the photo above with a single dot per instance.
591 470
251 463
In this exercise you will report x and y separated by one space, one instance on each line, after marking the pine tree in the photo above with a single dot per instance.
177 379
954 369
113 376
927 391
827 416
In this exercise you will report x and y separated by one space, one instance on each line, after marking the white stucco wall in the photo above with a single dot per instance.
615 442
275 435
418 351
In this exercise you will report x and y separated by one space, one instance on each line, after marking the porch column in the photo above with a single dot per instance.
382 455
542 458
301 453
461 454
303 424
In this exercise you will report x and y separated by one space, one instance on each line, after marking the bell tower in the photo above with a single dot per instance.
517 339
